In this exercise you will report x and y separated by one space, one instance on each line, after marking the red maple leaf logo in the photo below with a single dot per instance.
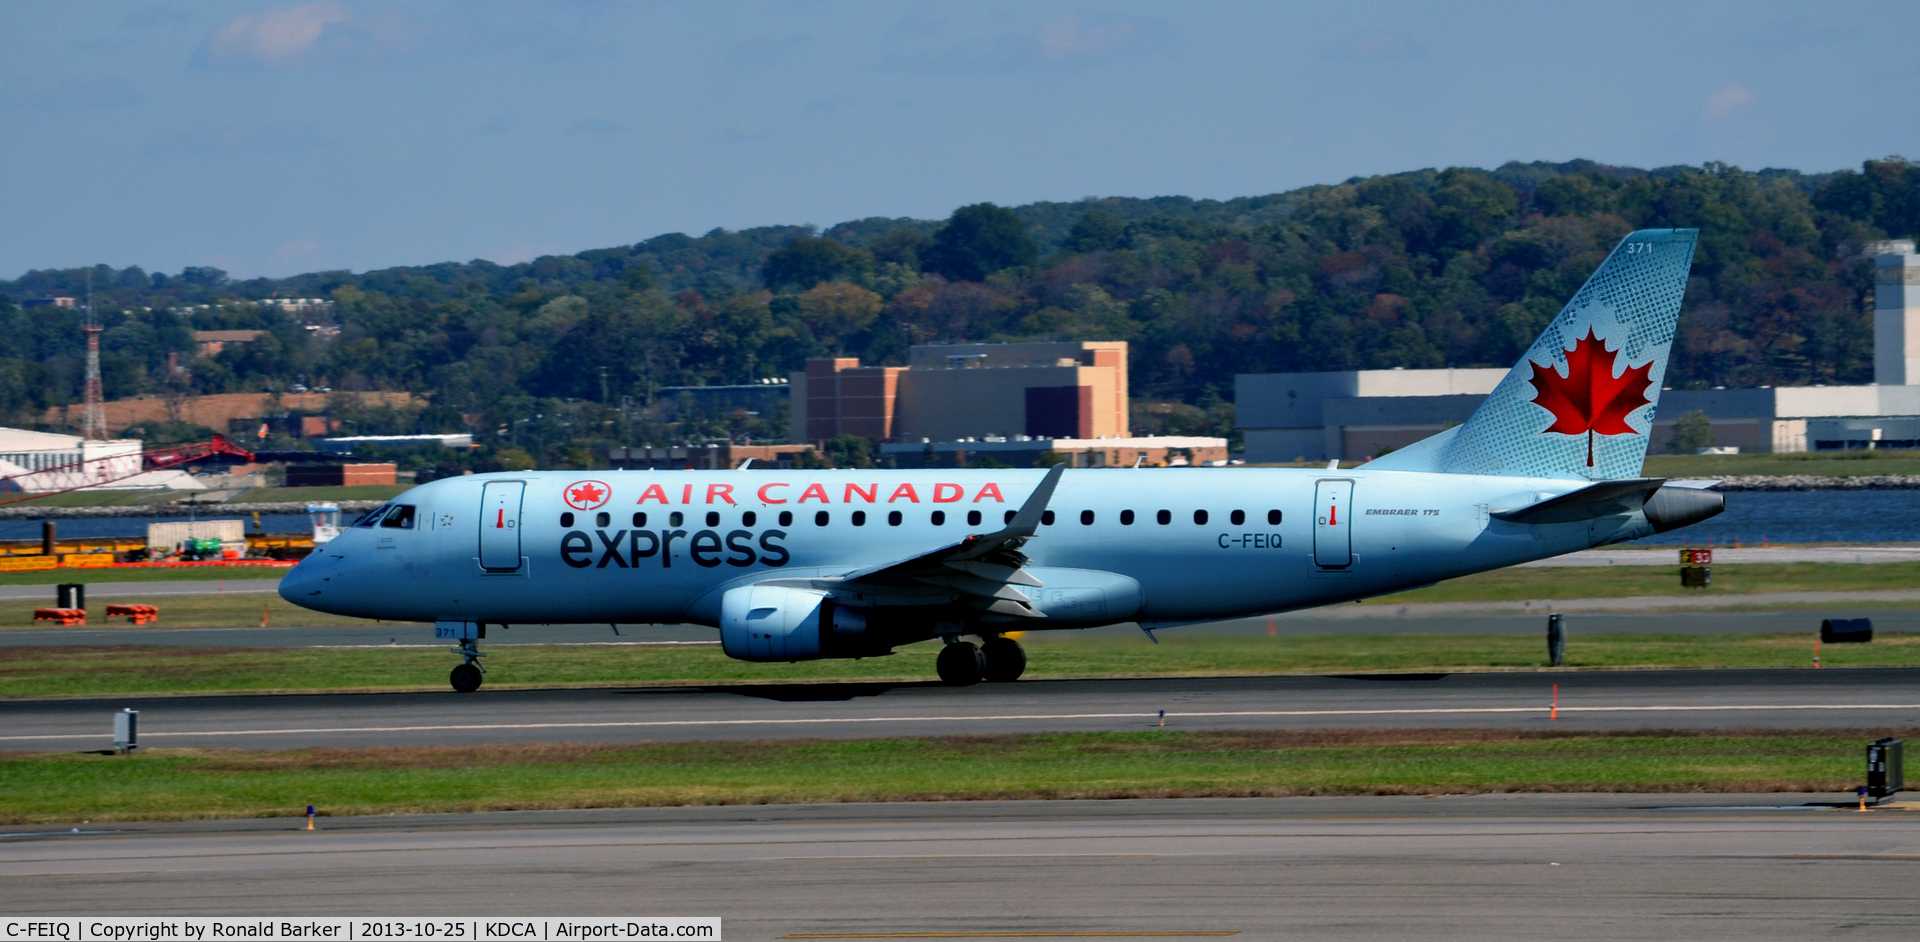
1590 398
586 495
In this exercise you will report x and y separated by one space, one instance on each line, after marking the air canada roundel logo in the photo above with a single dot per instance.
586 495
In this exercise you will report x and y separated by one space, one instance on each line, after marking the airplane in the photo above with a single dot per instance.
793 565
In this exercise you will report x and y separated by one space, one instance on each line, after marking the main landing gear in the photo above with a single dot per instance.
999 660
466 677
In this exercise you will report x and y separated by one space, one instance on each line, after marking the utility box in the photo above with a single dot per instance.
126 730
1884 773
1846 631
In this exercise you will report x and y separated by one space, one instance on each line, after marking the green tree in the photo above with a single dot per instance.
1692 432
1097 230
979 240
805 262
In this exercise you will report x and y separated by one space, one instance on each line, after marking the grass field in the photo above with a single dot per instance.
99 671
179 783
1821 463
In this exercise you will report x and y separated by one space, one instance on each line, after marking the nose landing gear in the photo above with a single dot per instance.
466 677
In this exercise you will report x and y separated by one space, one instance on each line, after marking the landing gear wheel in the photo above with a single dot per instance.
1006 660
465 678
960 664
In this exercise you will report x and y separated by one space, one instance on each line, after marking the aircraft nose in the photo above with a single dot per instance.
302 584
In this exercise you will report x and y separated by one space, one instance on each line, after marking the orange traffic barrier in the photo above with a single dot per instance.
65 616
137 614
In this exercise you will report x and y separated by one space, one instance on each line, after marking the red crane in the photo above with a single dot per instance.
157 459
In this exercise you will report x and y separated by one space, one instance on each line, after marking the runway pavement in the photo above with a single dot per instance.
1360 620
1662 867
119 590
1852 698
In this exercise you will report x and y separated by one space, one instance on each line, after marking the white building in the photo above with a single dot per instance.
43 461
1358 414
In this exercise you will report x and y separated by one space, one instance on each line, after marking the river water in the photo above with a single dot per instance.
1891 516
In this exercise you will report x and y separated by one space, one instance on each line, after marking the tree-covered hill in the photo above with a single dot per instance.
1456 267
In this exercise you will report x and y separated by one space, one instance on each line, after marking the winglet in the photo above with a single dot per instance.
1027 520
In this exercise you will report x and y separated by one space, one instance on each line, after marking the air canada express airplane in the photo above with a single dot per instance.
795 565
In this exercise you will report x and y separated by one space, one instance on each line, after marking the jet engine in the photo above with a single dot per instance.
1671 508
777 623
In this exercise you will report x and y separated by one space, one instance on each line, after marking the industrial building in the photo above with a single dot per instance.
1026 451
950 392
43 461
1362 413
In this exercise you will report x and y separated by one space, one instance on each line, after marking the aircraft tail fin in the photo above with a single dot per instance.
1580 404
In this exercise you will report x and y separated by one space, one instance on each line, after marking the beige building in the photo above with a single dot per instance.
956 391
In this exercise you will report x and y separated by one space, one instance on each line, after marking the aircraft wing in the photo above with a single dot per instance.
982 569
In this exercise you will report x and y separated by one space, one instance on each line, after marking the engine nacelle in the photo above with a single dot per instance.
1671 508
777 623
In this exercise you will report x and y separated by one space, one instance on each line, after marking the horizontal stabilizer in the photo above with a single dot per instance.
1595 500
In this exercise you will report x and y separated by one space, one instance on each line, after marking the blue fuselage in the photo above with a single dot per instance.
662 547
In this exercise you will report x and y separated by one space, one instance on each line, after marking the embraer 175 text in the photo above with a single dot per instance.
796 565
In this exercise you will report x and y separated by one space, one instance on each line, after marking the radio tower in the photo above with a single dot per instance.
93 421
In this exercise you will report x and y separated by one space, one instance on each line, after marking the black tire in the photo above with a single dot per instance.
960 664
1006 660
465 678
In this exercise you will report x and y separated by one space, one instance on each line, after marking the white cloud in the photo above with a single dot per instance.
1728 102
1070 36
284 37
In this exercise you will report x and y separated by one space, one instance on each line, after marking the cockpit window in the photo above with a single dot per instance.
399 518
373 516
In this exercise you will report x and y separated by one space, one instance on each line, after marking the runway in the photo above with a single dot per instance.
1351 620
1777 699
1662 867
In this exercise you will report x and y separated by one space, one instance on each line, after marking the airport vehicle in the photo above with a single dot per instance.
794 565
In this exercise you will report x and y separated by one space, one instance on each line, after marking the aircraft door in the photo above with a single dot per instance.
500 525
1332 516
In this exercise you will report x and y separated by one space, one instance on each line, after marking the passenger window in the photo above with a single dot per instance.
1046 518
399 518
1009 517
566 519
939 518
373 516
1200 517
1126 518
639 519
859 518
1238 517
1164 517
713 518
603 519
973 518
1273 518
820 519
1086 518
893 518
747 519
676 518
786 518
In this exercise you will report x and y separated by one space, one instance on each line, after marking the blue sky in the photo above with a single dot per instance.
269 139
